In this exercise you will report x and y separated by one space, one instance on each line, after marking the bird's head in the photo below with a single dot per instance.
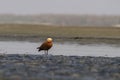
49 39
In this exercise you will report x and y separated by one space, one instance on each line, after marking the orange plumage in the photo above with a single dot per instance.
46 45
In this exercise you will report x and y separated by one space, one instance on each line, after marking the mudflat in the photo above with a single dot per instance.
81 34
58 67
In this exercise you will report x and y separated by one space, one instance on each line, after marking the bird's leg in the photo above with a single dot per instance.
47 52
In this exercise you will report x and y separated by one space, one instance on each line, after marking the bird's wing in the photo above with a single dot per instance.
43 46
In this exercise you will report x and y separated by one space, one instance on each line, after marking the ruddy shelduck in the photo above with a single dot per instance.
46 45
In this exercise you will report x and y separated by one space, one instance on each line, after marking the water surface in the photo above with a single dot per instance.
74 49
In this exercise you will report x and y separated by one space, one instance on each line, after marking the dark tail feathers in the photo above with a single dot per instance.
38 49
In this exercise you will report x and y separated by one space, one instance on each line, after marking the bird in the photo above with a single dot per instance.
46 45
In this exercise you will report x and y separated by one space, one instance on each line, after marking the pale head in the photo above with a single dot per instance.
49 39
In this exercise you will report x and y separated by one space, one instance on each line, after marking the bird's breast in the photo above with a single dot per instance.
49 44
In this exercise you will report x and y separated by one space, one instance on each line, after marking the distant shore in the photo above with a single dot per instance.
31 32
63 19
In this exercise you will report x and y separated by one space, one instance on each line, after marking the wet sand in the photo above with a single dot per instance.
58 67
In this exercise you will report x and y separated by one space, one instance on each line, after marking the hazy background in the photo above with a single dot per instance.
110 7
61 12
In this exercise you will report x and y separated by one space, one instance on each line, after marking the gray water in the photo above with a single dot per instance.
69 49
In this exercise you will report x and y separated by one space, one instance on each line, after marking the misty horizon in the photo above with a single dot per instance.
74 7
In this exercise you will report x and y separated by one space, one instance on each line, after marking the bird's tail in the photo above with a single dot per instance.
38 49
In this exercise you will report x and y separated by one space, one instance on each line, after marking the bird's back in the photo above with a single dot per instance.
45 46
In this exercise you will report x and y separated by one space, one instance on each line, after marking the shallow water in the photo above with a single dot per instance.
74 49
